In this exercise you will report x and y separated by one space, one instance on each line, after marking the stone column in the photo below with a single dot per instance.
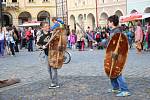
15 21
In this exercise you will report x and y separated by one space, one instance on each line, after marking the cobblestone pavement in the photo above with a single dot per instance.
82 79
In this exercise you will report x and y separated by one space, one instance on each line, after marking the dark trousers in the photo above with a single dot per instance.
79 44
12 48
2 47
16 47
91 44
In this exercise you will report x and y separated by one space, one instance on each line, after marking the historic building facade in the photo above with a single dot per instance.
82 12
93 13
141 6
90 13
110 7
18 11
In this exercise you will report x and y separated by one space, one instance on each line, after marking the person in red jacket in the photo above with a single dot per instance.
29 38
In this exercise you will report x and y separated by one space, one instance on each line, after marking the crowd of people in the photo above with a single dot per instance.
12 40
9 39
99 38
139 35
90 39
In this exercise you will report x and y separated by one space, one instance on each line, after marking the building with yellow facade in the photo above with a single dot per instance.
90 13
18 11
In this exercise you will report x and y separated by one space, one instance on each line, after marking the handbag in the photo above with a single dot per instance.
138 45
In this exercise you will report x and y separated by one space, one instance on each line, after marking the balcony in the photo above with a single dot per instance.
12 4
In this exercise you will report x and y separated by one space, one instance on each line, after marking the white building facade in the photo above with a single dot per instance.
93 13
141 6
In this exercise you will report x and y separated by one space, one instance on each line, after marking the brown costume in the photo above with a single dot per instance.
57 46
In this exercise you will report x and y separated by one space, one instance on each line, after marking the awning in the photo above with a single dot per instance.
31 23
134 16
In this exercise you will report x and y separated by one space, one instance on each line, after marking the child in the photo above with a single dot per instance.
119 85
57 23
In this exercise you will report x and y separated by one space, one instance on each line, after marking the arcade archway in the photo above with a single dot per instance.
91 21
72 22
103 19
147 10
118 13
43 16
80 19
24 17
7 21
133 11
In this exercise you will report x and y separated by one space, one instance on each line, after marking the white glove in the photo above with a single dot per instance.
44 47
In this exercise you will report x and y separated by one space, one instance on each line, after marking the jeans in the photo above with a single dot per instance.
119 83
2 47
68 44
30 45
130 42
53 74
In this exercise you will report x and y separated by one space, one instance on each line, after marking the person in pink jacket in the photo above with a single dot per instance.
73 39
139 37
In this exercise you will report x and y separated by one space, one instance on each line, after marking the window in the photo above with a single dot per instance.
84 16
78 2
31 0
14 0
45 0
75 4
83 2
103 1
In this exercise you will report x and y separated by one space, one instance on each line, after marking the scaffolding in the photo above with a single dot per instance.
62 10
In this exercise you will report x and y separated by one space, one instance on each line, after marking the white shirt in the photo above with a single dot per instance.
9 37
2 36
32 31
